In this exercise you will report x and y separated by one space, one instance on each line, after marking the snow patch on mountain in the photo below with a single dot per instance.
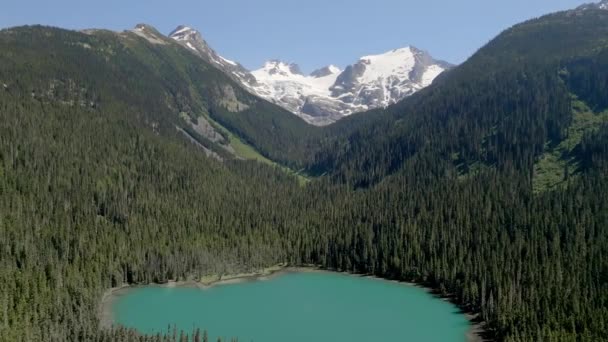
395 63
192 39
228 61
286 85
277 77
327 94
430 74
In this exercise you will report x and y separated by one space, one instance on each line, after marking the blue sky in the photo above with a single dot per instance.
312 33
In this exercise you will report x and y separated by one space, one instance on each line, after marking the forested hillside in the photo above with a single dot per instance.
149 72
500 109
99 188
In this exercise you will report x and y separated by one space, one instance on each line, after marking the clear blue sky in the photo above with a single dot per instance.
312 33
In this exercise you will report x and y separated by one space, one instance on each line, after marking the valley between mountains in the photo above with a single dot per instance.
136 158
329 93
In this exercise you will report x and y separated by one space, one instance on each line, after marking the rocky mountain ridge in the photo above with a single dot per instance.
329 93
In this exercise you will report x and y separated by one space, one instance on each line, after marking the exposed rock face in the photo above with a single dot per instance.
229 100
192 39
327 94
150 34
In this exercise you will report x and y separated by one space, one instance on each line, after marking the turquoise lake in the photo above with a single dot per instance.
296 307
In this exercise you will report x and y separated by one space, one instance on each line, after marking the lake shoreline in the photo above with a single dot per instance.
474 334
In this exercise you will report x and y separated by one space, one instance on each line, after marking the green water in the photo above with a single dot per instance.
297 307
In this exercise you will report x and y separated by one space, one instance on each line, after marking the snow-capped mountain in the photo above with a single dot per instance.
381 80
285 85
603 5
192 39
328 94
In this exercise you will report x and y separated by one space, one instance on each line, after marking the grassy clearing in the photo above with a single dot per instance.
551 170
559 162
246 151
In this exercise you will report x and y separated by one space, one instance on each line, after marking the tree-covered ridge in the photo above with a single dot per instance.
56 64
501 106
82 189
562 159
98 187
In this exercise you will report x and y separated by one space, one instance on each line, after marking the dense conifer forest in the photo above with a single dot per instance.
489 186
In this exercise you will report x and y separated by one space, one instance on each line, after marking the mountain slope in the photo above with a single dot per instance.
98 188
285 85
208 105
602 5
328 94
193 40
472 152
509 100
205 102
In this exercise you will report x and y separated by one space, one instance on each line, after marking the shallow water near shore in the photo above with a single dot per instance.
295 307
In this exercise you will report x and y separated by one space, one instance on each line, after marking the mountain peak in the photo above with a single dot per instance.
181 28
192 39
404 51
328 93
145 27
185 33
149 33
278 67
326 71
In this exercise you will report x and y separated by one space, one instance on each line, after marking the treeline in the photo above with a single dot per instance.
173 335
89 202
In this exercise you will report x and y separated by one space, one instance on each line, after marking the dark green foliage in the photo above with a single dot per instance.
163 79
98 188
278 135
588 77
499 108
